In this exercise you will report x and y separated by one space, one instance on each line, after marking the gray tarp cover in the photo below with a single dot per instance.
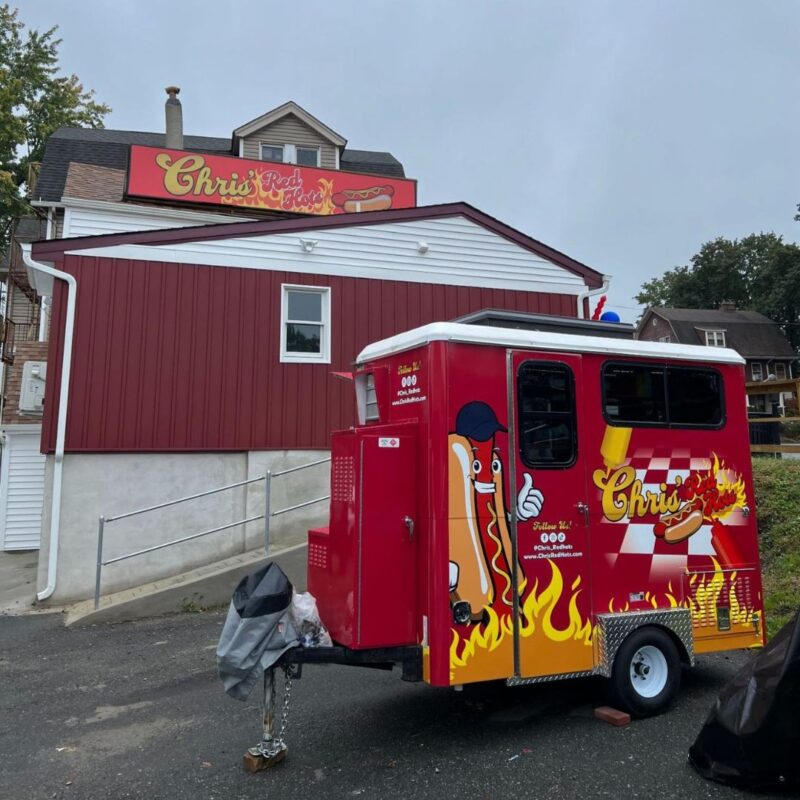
257 630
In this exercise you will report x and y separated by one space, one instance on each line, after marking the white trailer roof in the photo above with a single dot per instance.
543 340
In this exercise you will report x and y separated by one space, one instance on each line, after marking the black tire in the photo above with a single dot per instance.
647 659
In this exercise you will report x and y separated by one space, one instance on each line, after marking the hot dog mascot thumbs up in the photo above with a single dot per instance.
480 545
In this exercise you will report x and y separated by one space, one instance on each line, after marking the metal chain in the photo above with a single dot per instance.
287 691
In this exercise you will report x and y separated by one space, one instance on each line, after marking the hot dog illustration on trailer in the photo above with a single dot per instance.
376 198
481 560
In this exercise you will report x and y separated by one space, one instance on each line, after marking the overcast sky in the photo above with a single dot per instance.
622 133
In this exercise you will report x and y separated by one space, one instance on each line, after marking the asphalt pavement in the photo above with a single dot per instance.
136 710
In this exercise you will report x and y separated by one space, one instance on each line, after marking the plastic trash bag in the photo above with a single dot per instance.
307 622
751 738
257 631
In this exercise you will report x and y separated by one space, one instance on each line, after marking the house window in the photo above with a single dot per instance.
546 409
715 338
757 371
308 156
665 339
305 324
780 370
271 152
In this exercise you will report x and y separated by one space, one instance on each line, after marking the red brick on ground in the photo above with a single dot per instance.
612 716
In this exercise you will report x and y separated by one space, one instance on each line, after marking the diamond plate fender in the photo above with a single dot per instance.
613 629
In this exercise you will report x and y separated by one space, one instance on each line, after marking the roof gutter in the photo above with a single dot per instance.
592 293
63 400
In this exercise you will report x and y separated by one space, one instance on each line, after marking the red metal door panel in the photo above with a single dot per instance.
554 623
387 545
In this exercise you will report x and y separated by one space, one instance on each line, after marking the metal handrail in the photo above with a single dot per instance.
184 499
266 516
270 513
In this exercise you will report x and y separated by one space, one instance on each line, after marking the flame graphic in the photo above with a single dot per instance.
728 480
261 198
706 591
653 599
488 651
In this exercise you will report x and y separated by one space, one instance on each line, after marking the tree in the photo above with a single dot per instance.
760 272
34 101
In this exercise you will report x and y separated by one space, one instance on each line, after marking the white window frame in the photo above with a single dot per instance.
289 152
304 147
712 338
262 145
760 375
324 356
665 339
781 365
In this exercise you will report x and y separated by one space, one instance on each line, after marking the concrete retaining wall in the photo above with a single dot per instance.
112 484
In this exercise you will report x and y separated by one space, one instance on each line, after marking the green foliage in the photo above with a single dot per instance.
760 272
777 486
34 101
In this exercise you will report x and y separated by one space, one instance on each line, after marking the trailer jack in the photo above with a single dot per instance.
272 749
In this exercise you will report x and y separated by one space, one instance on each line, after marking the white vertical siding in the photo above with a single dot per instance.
21 490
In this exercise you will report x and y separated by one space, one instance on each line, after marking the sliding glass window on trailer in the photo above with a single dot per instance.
662 396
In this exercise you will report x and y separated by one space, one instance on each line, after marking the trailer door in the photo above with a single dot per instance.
550 521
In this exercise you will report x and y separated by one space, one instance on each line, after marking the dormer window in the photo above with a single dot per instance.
308 156
272 152
715 338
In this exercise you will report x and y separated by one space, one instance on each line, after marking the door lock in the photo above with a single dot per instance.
583 508
409 523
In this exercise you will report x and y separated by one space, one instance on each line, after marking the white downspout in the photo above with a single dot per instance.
61 430
591 293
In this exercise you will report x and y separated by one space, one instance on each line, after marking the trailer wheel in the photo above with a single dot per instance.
646 674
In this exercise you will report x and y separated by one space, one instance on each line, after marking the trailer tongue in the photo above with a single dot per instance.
530 506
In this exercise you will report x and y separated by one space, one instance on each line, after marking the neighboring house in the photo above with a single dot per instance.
82 188
759 340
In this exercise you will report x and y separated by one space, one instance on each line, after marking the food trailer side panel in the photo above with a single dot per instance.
671 503
500 467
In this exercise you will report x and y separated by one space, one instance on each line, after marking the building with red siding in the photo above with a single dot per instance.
205 355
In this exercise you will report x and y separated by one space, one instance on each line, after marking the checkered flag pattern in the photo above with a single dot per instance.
624 539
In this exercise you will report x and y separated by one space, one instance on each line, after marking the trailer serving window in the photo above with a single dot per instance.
546 415
656 395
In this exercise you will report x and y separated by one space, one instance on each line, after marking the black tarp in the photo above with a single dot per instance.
751 738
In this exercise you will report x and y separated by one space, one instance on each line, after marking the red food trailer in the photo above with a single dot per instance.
530 506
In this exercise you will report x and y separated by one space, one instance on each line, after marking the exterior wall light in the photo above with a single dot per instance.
308 245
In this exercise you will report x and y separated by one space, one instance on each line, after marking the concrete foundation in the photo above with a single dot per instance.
116 483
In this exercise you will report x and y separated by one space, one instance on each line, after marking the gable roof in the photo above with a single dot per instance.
751 334
50 249
284 110
104 147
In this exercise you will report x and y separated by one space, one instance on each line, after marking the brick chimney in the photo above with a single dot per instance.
727 305
174 117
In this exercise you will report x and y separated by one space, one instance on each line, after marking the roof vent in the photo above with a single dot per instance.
727 305
174 117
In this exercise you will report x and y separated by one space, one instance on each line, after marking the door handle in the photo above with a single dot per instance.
583 508
409 523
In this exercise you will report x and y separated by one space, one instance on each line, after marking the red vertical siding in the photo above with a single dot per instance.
186 357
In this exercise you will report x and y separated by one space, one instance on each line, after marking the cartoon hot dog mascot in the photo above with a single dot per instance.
376 198
481 563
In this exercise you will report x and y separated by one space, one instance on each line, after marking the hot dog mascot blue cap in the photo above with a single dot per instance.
477 421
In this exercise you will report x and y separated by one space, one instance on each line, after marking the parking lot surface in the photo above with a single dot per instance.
136 710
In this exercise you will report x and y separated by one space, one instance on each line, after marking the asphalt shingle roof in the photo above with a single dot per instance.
109 148
751 334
